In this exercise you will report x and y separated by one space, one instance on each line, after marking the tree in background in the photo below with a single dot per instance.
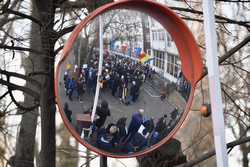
67 149
49 34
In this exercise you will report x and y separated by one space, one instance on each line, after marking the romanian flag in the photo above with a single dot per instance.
144 58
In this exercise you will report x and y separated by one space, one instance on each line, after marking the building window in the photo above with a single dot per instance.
162 36
173 62
147 37
173 66
154 35
159 59
158 35
169 40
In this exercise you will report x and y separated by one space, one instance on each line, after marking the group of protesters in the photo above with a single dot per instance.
142 132
123 79
183 86
120 75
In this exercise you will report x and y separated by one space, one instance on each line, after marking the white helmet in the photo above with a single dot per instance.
141 111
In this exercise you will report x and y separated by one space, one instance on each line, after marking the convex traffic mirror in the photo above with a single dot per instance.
126 79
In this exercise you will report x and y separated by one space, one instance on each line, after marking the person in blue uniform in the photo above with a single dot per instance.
136 122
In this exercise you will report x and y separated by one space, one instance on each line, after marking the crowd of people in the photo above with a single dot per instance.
123 79
141 133
120 75
183 86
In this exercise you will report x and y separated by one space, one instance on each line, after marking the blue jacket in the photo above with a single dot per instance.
72 84
135 123
155 138
104 141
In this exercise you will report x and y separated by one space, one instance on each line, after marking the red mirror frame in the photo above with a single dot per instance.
190 56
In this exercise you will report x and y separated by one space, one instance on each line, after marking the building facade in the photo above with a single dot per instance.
163 49
151 37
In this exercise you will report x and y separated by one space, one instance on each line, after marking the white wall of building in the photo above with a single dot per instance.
162 44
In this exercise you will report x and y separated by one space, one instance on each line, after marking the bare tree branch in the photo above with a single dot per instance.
12 86
58 49
65 4
236 1
65 31
4 95
24 77
233 101
230 52
234 49
6 20
3 46
20 106
7 34
221 19
38 73
235 66
212 152
10 11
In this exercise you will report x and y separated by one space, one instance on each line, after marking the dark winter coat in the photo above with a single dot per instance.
103 113
135 123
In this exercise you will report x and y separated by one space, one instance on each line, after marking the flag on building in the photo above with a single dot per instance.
138 52
144 58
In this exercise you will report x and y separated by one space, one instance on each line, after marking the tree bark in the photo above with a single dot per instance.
170 154
46 14
244 147
25 145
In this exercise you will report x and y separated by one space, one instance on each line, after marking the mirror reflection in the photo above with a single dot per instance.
121 85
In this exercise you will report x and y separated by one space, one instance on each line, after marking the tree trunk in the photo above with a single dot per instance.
46 14
87 158
66 154
244 147
245 160
170 154
25 145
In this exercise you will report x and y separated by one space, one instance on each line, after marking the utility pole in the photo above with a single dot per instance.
214 84
99 68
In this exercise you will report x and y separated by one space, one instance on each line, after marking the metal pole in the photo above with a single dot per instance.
79 51
214 83
99 68
103 161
